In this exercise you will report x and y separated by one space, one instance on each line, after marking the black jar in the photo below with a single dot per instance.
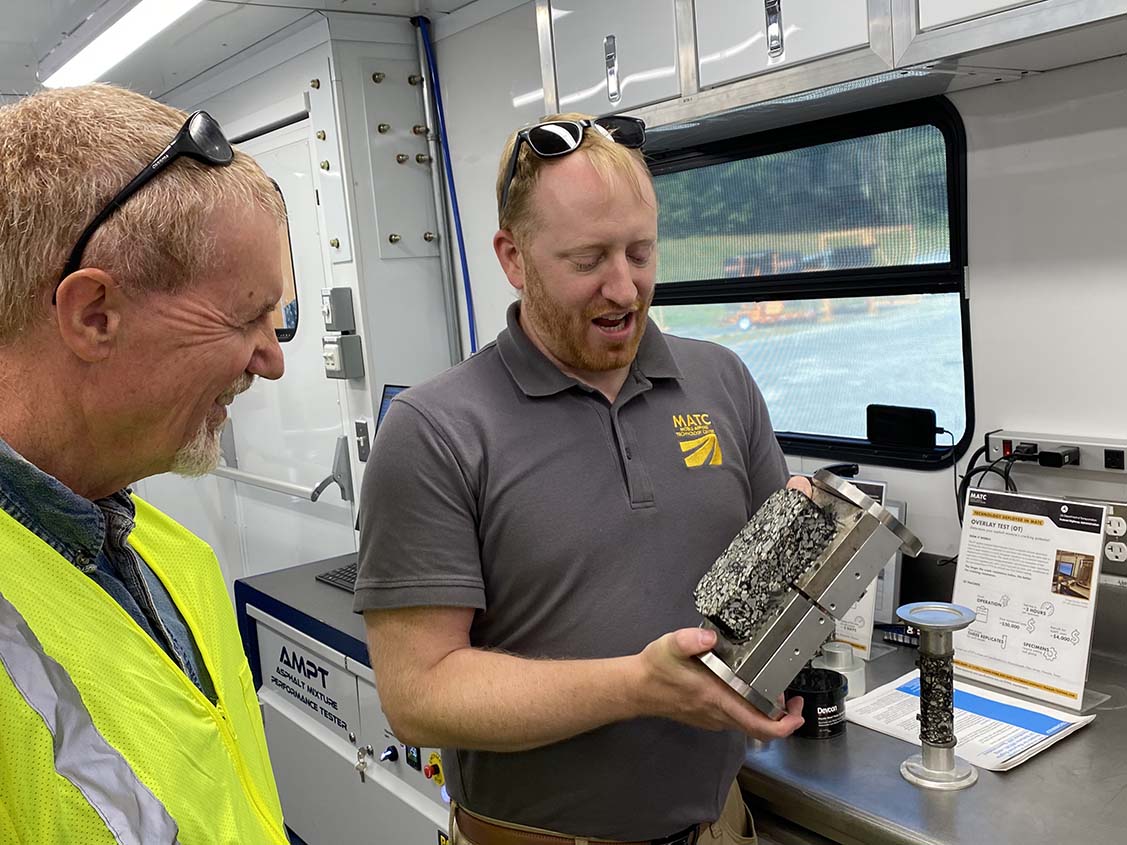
823 702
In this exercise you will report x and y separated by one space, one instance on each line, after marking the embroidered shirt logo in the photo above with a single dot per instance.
697 439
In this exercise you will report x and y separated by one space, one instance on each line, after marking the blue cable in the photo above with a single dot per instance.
424 25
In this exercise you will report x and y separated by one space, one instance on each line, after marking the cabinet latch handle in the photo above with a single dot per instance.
774 28
610 52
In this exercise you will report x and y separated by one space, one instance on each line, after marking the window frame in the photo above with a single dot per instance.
949 277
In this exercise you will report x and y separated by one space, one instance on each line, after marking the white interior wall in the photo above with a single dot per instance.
491 84
1047 182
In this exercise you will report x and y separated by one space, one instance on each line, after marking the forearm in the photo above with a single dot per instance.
497 702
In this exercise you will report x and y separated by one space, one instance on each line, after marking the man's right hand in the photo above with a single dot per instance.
676 686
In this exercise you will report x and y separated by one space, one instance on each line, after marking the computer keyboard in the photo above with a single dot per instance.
343 577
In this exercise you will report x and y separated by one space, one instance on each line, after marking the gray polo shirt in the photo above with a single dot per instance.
577 528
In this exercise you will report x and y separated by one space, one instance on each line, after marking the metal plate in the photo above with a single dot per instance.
936 616
910 543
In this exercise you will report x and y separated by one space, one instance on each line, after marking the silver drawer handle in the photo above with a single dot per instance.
610 52
774 28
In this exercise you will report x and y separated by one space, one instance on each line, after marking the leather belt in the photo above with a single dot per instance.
483 832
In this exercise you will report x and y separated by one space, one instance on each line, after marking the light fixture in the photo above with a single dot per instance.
119 40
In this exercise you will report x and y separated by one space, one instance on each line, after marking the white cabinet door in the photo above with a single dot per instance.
739 38
283 430
288 430
325 802
614 56
937 13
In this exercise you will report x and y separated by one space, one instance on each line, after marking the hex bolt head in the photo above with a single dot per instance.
422 158
378 77
402 158
419 129
383 128
394 238
414 79
429 236
321 135
325 165
314 83
334 243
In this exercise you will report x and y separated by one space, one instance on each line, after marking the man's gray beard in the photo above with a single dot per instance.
200 455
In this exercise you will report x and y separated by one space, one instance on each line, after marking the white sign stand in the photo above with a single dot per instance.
1029 567
856 627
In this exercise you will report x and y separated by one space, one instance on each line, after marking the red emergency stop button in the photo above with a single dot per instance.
431 771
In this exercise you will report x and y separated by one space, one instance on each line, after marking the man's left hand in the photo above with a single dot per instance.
802 484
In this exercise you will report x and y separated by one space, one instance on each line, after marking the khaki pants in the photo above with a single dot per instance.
734 827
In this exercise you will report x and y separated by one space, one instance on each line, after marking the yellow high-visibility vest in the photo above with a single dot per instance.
103 738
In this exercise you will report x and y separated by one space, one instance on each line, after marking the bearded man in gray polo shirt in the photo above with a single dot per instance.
534 520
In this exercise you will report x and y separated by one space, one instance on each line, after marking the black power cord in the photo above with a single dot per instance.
954 467
973 471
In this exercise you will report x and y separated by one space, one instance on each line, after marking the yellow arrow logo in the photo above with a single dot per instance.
703 450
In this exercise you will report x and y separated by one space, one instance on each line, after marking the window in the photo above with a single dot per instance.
830 258
285 317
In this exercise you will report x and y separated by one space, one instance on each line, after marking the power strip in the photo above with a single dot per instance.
1096 454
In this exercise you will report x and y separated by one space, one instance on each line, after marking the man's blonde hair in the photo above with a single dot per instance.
608 158
64 154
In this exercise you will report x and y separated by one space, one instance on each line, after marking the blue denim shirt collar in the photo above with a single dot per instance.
72 525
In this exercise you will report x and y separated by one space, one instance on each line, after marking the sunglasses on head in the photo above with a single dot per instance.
555 138
200 138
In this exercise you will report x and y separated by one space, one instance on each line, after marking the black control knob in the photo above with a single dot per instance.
390 754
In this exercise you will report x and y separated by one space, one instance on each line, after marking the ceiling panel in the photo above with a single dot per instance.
210 33
24 25
374 7
201 39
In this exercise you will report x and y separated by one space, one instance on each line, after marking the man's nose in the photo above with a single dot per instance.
618 285
268 360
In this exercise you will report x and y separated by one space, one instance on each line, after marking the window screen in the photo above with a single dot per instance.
830 259
819 362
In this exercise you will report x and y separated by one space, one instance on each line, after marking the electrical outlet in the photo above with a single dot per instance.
1113 561
363 442
1097 454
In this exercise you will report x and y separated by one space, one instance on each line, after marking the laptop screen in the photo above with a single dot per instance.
389 393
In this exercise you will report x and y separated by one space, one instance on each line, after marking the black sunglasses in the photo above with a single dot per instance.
556 138
200 138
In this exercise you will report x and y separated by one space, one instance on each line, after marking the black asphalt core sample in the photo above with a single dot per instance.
937 698
754 574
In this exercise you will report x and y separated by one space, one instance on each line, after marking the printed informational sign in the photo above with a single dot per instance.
309 681
856 626
995 731
1028 566
887 586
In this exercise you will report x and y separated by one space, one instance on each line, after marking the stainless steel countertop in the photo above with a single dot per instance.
849 788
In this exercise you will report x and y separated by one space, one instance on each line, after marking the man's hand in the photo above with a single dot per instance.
802 484
676 686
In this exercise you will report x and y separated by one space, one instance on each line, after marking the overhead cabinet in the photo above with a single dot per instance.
614 56
1033 35
675 62
937 13
742 38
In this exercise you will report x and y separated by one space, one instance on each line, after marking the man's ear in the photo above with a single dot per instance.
510 257
88 310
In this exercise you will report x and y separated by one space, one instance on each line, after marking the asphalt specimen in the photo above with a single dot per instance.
756 572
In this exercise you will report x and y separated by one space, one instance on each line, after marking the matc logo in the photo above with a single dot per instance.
697 438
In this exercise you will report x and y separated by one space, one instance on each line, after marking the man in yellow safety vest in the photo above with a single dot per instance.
140 266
